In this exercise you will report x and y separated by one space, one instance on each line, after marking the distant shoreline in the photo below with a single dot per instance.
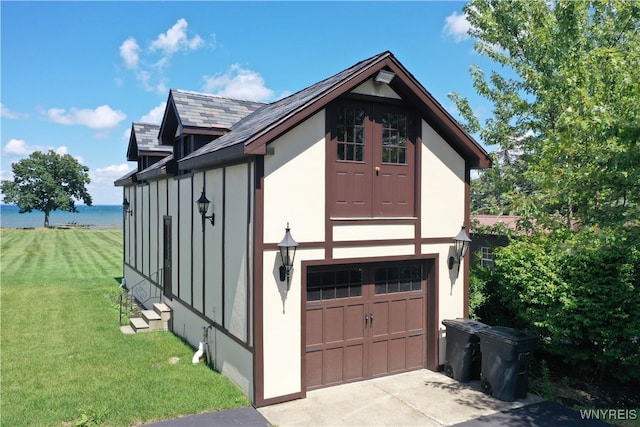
92 217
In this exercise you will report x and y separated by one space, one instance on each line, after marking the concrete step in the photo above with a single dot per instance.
153 319
163 310
127 329
138 324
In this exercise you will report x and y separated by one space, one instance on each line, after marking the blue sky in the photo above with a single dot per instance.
75 75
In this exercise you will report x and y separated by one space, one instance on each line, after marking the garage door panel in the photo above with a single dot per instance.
354 362
364 321
354 327
332 365
397 354
313 363
378 356
415 351
314 326
334 325
398 316
379 323
415 312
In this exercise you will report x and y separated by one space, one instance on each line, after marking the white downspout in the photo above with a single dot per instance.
201 346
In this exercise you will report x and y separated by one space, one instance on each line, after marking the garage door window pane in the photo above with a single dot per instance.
328 285
402 278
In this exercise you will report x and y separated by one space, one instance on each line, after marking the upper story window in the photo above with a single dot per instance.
350 134
371 157
394 138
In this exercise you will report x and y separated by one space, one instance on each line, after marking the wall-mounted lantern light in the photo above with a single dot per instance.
287 253
203 207
461 244
125 207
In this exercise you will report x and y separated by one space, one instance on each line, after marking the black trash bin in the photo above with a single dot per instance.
506 353
463 349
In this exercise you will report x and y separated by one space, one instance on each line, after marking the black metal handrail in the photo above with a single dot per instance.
132 297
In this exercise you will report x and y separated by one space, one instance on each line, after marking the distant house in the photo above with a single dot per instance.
484 242
370 174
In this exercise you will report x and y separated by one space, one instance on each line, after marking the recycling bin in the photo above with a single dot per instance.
463 349
506 353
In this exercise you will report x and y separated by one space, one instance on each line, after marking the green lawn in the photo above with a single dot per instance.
63 357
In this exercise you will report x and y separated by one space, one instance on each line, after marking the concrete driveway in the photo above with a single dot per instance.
419 398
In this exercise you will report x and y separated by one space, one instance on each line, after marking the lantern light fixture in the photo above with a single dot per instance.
287 254
461 245
203 208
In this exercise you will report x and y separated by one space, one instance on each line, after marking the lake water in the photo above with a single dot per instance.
97 216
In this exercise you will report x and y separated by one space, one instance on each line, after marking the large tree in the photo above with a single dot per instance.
47 182
565 93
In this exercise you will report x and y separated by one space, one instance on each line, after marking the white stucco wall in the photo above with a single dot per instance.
282 319
213 247
373 232
442 186
294 183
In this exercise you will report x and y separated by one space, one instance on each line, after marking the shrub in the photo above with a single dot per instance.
579 292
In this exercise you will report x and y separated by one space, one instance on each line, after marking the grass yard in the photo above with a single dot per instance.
64 360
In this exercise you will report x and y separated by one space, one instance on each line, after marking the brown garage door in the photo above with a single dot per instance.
364 321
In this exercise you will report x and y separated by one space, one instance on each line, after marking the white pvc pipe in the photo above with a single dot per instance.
199 353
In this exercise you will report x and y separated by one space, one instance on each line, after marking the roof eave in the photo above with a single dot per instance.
210 159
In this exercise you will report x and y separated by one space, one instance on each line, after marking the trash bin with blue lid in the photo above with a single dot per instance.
463 349
506 353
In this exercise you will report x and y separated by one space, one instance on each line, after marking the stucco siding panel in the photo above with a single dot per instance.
373 251
282 319
235 250
185 240
197 266
451 290
373 232
173 213
213 248
294 183
443 186
154 235
144 231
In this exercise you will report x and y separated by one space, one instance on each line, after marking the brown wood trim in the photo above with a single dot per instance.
375 221
433 304
418 188
258 299
280 399
467 223
436 240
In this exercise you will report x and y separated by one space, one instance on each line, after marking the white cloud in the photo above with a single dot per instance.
148 65
7 113
176 39
129 52
238 83
16 147
155 115
101 187
102 117
20 148
457 26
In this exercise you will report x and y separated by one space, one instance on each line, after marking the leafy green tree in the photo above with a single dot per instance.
47 182
566 98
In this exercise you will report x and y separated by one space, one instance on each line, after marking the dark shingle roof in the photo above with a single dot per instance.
209 111
269 115
146 135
